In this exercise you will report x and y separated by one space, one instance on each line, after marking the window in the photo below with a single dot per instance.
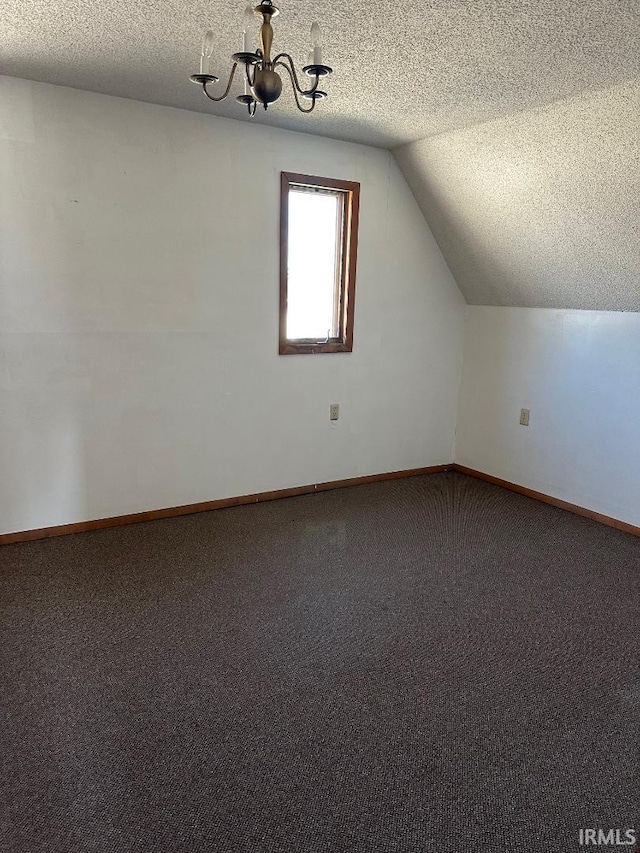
318 250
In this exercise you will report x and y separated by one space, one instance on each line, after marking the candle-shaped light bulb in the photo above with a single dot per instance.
247 23
205 53
316 38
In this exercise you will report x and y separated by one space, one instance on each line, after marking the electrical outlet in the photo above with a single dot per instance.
524 417
334 411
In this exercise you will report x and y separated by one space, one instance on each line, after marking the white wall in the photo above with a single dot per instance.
579 373
139 314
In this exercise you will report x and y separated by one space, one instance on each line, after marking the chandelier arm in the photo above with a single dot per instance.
226 91
295 93
294 76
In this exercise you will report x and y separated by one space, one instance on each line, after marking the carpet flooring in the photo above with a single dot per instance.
432 664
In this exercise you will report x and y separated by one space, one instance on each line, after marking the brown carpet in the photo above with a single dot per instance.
432 664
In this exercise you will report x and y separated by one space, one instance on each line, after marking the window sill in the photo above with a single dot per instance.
313 348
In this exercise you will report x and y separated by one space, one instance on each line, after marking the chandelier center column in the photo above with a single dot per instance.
266 35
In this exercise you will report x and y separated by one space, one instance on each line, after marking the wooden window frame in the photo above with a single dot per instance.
348 261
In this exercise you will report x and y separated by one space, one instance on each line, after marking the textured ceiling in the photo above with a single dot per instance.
516 122
402 72
540 208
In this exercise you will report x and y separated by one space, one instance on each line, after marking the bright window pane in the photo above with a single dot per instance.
314 218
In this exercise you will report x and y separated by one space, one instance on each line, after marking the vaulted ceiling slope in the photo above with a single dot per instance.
403 71
540 208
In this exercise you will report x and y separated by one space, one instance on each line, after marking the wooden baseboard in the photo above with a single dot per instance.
540 496
207 506
240 500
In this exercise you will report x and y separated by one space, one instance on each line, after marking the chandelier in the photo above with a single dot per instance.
262 83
